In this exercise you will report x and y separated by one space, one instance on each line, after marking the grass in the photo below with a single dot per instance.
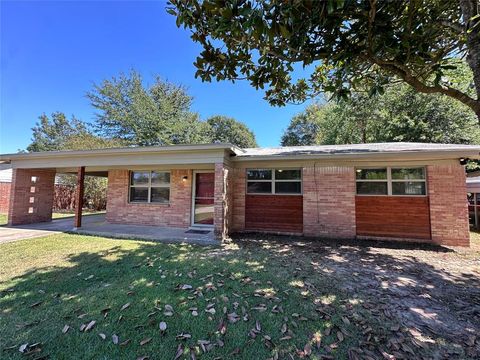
284 306
68 279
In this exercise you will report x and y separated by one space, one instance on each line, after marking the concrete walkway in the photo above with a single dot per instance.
96 225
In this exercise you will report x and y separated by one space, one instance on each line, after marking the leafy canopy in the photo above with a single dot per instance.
158 114
155 115
350 45
224 129
401 114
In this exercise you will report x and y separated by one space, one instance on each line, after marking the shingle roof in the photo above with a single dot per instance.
398 147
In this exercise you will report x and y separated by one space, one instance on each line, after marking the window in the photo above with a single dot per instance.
391 181
150 187
274 181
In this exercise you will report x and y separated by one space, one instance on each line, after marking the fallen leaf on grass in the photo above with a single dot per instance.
65 329
103 336
115 339
145 341
36 304
90 325
183 336
125 306
22 348
125 343
179 352
340 336
162 326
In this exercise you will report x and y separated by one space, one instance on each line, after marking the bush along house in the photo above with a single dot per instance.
387 191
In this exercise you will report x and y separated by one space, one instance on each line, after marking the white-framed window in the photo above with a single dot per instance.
274 181
393 181
149 187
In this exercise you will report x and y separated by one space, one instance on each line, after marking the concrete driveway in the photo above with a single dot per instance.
96 225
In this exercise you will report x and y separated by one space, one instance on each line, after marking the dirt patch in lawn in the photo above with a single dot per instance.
430 294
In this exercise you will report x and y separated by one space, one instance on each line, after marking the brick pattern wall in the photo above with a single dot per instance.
223 200
4 197
329 201
175 214
31 202
238 206
448 204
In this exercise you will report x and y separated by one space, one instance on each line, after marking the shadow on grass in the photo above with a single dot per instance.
359 302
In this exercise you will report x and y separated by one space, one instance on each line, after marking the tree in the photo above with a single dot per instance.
59 133
223 129
155 115
52 134
401 114
352 44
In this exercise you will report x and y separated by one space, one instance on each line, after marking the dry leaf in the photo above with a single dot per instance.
22 348
65 329
125 306
179 351
125 343
103 336
183 336
210 311
90 325
307 349
162 326
36 304
145 341
340 336
115 339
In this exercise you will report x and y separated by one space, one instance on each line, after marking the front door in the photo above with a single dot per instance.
203 198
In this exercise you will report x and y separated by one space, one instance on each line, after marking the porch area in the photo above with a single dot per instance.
96 225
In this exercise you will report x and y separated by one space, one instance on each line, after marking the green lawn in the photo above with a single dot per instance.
69 280
268 299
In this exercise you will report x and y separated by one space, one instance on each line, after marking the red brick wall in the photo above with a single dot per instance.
448 204
175 214
223 200
329 201
4 196
238 206
31 202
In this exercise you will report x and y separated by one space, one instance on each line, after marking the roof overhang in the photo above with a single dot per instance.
370 156
130 156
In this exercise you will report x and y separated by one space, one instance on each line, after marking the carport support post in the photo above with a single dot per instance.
79 194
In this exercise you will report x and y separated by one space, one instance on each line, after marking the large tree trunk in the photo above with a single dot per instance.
470 8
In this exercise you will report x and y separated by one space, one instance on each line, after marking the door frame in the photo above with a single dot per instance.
194 191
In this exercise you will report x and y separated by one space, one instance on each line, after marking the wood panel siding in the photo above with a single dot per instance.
393 216
279 213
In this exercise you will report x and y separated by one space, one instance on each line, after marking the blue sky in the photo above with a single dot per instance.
52 53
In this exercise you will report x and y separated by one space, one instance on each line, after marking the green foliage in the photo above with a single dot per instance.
401 114
224 129
53 134
350 46
61 134
155 115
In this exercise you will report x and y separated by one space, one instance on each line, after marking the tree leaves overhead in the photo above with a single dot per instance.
347 44
401 114
224 129
155 115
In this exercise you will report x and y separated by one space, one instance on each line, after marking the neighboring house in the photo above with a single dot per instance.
396 191
5 183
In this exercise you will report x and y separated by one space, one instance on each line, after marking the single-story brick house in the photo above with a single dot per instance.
396 191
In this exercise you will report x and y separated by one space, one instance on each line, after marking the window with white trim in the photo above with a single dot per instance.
396 181
149 187
274 181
